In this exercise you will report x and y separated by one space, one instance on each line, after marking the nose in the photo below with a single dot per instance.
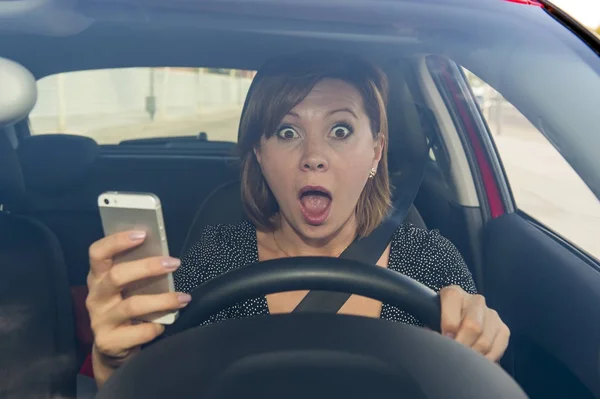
314 158
314 164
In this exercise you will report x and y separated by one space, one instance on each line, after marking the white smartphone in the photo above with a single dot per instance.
123 211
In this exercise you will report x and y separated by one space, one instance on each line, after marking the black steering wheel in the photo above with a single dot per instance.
308 355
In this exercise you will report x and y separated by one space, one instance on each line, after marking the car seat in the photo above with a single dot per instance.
37 340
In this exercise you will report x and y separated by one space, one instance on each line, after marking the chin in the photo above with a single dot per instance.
318 232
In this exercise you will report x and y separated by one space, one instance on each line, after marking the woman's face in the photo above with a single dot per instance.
319 160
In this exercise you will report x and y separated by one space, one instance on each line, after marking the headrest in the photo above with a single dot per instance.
18 92
54 163
12 187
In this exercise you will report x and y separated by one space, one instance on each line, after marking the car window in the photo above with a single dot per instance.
543 184
113 105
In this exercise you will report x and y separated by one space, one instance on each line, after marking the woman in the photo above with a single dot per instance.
314 177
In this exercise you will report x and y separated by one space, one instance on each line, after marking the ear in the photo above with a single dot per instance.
257 154
378 149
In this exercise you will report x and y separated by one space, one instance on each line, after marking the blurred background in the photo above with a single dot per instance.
587 12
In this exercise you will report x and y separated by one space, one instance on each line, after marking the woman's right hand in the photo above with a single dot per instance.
116 337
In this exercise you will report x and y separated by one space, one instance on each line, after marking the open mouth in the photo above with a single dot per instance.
315 204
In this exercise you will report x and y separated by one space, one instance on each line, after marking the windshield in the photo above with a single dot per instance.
506 95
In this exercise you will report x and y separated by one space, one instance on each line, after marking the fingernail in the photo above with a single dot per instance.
137 235
170 263
184 299
450 335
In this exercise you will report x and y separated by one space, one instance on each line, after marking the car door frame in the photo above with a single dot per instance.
545 357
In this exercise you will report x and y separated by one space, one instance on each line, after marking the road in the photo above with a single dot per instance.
543 184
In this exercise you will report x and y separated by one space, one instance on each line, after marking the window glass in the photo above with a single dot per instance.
543 184
111 105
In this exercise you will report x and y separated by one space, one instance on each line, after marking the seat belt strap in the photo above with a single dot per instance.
370 248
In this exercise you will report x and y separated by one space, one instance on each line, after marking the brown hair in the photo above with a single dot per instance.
278 87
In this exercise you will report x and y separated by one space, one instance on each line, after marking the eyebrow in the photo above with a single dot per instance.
335 111
349 110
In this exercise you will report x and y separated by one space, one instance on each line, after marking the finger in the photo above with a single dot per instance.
102 251
123 274
491 329
452 307
471 326
500 344
142 305
118 343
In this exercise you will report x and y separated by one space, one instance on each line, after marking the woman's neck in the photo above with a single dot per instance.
291 243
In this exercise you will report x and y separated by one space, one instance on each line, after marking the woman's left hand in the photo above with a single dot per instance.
467 319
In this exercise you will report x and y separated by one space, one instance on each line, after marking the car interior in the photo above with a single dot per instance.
49 184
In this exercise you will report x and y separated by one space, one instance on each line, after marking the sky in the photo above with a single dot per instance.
586 11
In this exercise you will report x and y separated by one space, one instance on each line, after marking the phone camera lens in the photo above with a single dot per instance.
106 201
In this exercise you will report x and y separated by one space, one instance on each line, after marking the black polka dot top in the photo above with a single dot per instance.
423 255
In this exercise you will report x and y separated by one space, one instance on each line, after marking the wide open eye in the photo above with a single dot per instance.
287 133
341 131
